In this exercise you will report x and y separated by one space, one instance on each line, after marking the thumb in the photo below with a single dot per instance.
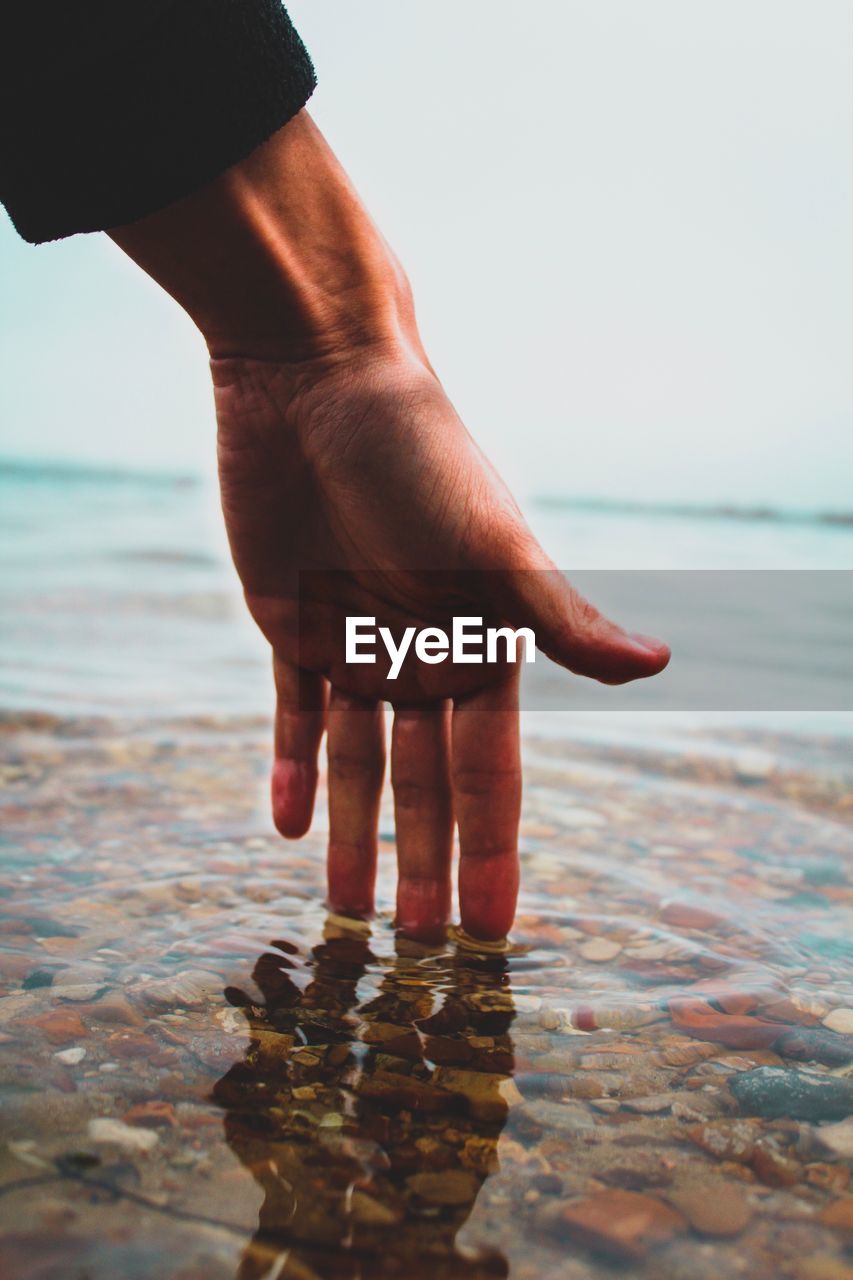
572 632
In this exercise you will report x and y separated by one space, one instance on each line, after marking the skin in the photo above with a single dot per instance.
350 486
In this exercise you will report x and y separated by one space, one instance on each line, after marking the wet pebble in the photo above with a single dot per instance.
840 1020
651 1105
775 1091
839 1215
451 1187
371 1212
72 1056
599 950
726 1139
104 1129
623 1224
837 1138
714 1208
188 989
773 1164
556 1117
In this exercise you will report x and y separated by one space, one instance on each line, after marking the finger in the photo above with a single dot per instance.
356 748
423 815
300 715
486 776
572 631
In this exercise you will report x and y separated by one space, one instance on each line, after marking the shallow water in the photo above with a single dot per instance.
203 1075
298 1097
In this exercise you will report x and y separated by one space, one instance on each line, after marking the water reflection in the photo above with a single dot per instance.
370 1122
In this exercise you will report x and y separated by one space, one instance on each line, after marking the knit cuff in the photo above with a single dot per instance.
192 93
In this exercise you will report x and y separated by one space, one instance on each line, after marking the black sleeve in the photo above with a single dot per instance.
111 109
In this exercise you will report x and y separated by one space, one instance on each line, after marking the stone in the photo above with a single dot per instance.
623 1224
685 915
837 1138
726 1139
395 1090
115 1008
156 1112
830 1177
451 1187
104 1129
753 765
188 989
78 991
635 1169
564 1118
778 1091
61 1025
713 1209
840 1020
370 1212
773 1165
489 1095
649 1106
599 950
839 1215
71 1057
815 1044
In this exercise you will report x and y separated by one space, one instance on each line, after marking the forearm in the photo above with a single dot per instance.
277 259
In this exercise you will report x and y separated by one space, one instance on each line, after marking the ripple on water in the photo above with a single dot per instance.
203 1073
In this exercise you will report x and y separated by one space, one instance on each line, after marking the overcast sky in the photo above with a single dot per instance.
629 228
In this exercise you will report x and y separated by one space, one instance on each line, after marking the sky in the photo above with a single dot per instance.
629 229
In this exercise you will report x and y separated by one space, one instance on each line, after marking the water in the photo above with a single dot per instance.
203 1074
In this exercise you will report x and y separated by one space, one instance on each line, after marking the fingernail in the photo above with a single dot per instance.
648 644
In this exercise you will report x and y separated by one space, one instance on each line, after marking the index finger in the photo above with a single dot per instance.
486 778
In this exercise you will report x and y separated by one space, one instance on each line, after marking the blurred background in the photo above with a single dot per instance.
630 234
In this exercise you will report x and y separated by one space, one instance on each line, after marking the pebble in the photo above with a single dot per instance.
685 915
713 1209
116 1008
624 1224
104 1129
599 950
489 1095
839 1215
189 989
557 1117
371 1212
635 1169
61 1025
777 1091
726 1139
649 1106
837 1138
752 765
773 1165
450 1187
830 1177
78 991
71 1056
153 1113
840 1020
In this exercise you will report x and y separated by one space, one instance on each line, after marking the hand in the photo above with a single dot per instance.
367 471
340 454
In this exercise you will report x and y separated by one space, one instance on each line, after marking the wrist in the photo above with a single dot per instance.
278 259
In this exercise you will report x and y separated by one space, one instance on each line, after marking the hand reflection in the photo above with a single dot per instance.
369 1118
